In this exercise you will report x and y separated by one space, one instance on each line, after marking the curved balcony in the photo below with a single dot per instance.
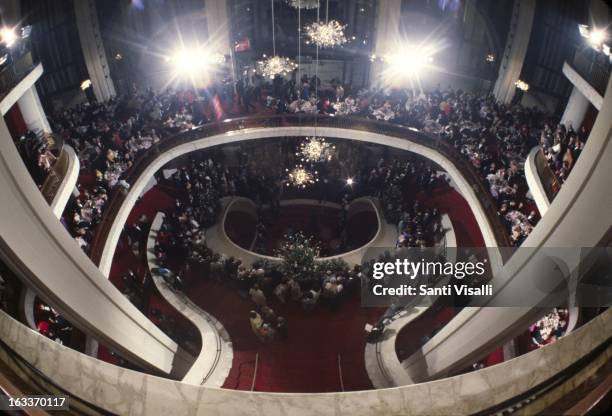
542 181
214 361
471 185
531 381
61 180
219 240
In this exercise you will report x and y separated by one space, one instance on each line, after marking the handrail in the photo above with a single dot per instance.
255 371
589 342
548 385
592 399
44 384
284 120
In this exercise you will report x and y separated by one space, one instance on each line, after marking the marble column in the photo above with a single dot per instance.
576 108
515 50
93 49
387 34
33 112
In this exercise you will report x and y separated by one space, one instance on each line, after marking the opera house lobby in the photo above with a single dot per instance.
305 207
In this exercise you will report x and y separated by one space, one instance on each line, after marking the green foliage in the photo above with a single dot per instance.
298 253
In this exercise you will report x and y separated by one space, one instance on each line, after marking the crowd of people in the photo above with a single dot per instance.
108 137
182 247
393 183
494 137
551 327
562 147
36 152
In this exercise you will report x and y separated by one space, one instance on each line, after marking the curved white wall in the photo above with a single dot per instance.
579 217
535 183
65 189
38 249
218 240
270 132
126 392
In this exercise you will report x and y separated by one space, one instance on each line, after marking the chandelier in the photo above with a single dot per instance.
521 85
315 149
326 35
300 177
269 67
303 4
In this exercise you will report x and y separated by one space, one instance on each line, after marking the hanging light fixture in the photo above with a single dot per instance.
300 177
326 34
274 65
315 149
303 4
271 66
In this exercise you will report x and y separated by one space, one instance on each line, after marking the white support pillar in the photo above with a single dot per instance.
32 111
388 14
576 108
577 221
217 20
93 49
515 50
39 250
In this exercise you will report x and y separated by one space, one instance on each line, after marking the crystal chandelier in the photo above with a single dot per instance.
269 67
315 149
326 35
300 177
303 4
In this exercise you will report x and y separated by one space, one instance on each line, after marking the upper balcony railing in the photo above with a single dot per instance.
549 180
295 120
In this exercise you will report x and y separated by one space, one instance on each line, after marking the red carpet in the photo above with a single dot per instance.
153 201
321 222
308 360
449 201
468 234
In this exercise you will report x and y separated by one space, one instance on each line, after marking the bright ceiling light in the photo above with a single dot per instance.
85 84
272 66
350 181
409 61
597 37
326 34
8 36
192 62
522 85
315 149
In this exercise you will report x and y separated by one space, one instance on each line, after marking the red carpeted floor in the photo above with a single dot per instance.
320 222
449 201
322 344
308 360
468 234
157 199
